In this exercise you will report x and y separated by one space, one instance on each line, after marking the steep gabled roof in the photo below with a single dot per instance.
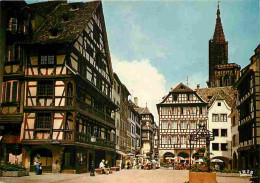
68 30
44 8
181 88
143 110
219 93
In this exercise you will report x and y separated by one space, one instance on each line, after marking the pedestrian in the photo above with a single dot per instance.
102 166
107 166
37 163
134 163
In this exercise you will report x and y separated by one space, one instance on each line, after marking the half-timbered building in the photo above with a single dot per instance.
248 105
13 29
67 84
180 113
147 131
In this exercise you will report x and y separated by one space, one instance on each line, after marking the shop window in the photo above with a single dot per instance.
215 146
81 159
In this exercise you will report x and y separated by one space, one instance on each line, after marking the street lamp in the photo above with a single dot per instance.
203 134
92 170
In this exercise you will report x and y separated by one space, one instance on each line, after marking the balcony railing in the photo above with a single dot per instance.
85 138
96 112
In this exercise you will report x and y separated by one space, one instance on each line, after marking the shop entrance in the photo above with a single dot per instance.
46 159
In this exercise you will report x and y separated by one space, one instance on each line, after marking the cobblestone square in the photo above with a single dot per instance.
124 176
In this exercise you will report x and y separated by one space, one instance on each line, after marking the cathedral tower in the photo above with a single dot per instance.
220 72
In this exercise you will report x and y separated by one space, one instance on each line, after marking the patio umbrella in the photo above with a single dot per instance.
180 158
199 161
189 159
216 161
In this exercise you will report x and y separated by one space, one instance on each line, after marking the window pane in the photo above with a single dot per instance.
8 91
215 132
215 146
14 93
224 147
224 132
43 120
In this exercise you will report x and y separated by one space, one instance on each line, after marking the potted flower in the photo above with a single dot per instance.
13 170
201 173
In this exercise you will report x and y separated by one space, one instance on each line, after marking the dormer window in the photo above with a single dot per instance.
13 24
54 31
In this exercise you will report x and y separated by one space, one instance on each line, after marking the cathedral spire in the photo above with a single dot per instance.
219 35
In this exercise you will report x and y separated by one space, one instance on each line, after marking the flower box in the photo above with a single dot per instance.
15 173
202 177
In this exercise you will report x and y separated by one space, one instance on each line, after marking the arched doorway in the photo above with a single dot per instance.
168 155
183 155
225 162
234 160
46 159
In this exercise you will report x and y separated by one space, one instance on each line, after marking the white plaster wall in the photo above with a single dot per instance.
223 109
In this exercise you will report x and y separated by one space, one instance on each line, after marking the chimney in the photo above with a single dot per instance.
198 86
136 101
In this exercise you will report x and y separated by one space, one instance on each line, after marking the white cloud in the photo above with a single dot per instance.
143 81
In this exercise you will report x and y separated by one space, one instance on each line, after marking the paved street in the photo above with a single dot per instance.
129 176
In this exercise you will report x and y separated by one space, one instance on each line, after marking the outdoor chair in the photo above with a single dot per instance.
250 173
243 173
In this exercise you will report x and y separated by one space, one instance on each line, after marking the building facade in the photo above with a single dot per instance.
147 130
221 101
120 153
134 119
12 30
180 113
124 121
235 138
221 73
248 105
65 89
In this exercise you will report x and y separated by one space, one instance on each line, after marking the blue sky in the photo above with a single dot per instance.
172 37
157 44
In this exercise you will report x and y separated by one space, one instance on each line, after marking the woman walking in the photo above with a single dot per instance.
37 163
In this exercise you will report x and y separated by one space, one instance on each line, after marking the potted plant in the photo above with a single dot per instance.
13 170
202 173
